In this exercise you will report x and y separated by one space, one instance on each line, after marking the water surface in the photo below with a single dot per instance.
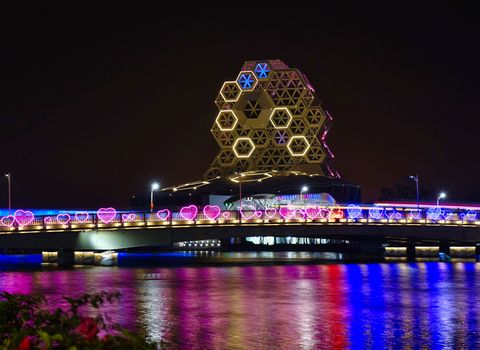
314 306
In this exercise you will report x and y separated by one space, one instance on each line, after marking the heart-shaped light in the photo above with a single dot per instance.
270 213
8 220
434 213
63 219
23 217
391 214
81 216
375 213
337 213
211 212
129 217
226 215
248 212
258 213
286 212
47 220
106 215
354 211
312 212
189 212
163 214
469 215
325 213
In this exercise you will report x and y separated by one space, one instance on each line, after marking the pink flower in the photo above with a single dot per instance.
88 328
26 343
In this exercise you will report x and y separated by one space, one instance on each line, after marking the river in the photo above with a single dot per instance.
306 304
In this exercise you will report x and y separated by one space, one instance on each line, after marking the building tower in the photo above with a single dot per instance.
270 119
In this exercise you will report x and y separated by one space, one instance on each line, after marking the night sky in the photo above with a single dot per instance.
96 103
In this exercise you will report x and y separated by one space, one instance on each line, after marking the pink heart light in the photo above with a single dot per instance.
63 219
189 212
8 220
47 220
300 214
324 213
270 213
286 212
258 213
312 212
23 217
226 215
81 216
106 215
128 217
212 212
248 212
163 214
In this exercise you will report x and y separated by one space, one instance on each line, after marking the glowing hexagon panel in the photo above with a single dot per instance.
226 120
243 147
247 81
270 119
281 118
230 91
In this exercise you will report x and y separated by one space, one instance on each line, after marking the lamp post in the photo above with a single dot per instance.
9 179
303 190
415 178
240 190
441 195
155 186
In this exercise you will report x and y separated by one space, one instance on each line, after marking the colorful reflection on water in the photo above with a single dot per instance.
359 306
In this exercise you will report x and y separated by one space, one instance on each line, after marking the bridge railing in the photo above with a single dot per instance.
25 220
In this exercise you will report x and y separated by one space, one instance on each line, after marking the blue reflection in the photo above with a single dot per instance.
14 261
156 259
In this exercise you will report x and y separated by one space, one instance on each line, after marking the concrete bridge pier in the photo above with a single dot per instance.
411 251
65 257
444 249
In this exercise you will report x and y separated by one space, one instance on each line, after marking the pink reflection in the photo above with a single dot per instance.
278 307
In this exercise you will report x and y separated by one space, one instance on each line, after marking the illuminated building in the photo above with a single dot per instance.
270 118
271 129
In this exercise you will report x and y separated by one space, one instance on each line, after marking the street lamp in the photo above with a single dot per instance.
415 178
441 195
9 179
155 186
303 190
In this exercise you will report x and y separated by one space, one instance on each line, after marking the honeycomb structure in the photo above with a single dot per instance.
270 119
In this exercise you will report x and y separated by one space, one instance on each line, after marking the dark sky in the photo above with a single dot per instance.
96 103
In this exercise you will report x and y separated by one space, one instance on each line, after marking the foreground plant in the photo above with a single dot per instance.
26 323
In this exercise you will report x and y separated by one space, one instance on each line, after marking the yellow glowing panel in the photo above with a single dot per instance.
243 139
297 137
250 176
222 112
290 117
227 99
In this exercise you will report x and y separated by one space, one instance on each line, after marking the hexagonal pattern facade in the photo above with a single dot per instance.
270 119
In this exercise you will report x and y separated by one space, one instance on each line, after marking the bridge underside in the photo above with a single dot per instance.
125 238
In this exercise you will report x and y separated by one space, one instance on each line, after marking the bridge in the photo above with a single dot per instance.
271 129
107 229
